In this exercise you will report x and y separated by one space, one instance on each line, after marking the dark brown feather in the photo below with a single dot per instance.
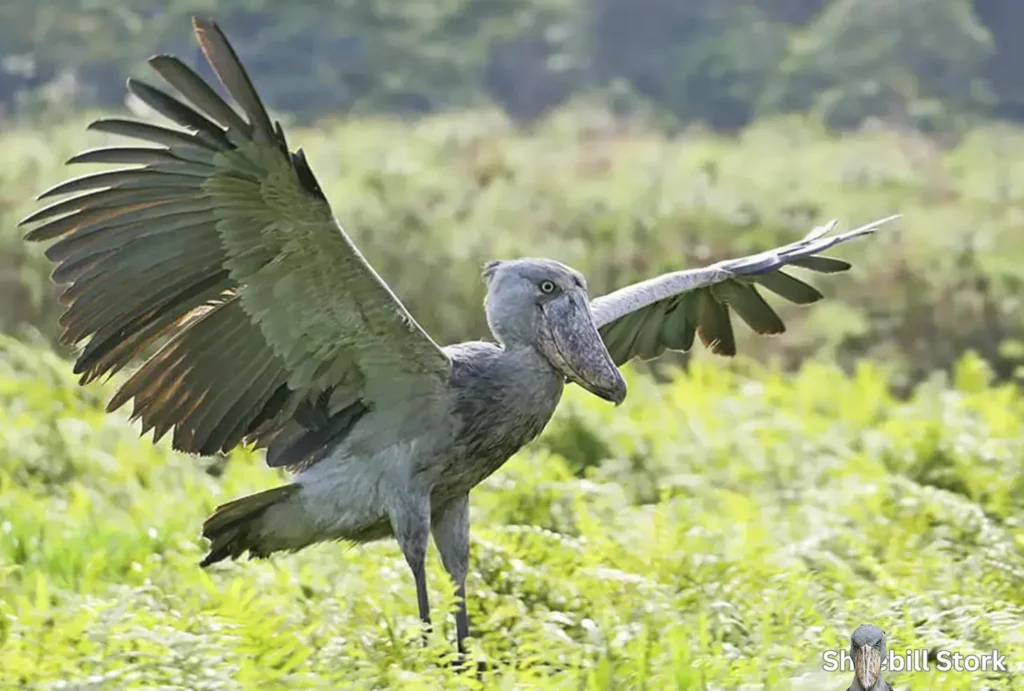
165 258
714 326
98 309
113 347
749 305
170 107
124 154
151 133
199 93
786 286
149 177
825 265
223 431
195 396
224 338
258 401
101 238
107 203
232 75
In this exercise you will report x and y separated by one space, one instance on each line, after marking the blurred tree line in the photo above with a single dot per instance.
927 63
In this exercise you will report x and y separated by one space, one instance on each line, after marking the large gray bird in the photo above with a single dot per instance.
867 649
276 332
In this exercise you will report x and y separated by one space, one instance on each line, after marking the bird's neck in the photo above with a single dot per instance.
536 371
879 685
529 383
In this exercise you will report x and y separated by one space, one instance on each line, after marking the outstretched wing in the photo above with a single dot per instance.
666 313
222 246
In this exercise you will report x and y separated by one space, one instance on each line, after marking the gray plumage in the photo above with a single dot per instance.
276 332
868 652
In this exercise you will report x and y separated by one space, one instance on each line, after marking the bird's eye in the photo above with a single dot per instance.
547 287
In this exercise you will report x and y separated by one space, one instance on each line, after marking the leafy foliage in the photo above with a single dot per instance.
734 525
714 61
917 62
430 202
663 49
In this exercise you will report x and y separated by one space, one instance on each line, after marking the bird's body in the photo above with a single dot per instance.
275 331
500 399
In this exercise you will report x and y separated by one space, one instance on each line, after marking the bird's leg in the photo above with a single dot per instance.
410 520
422 600
451 535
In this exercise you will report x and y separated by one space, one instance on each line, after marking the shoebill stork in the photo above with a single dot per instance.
867 649
220 245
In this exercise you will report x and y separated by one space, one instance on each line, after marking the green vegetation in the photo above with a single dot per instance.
929 63
429 202
720 532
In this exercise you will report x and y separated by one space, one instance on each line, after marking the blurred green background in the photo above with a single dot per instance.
722 529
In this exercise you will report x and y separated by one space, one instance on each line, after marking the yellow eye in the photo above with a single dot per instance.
547 287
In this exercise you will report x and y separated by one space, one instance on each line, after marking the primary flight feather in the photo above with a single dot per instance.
219 247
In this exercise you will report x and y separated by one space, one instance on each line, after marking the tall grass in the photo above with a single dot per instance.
719 532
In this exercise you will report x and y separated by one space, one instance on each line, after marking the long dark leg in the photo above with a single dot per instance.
461 619
410 519
451 535
419 574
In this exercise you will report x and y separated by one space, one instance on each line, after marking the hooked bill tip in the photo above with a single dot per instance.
615 394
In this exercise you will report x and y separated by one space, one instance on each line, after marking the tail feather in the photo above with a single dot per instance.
232 527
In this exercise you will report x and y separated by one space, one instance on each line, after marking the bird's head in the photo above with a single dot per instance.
867 648
544 304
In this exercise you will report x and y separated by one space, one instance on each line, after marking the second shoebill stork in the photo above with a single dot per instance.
867 649
276 332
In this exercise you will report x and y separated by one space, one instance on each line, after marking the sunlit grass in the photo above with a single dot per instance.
721 532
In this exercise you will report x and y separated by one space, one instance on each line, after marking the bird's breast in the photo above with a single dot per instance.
494 420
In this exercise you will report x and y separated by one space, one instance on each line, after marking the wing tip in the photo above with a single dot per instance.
117 401
54 191
771 331
228 66
162 59
27 220
206 30
717 346
135 85
874 226
96 124
204 24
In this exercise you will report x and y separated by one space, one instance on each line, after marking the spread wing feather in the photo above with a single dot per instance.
221 246
667 312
